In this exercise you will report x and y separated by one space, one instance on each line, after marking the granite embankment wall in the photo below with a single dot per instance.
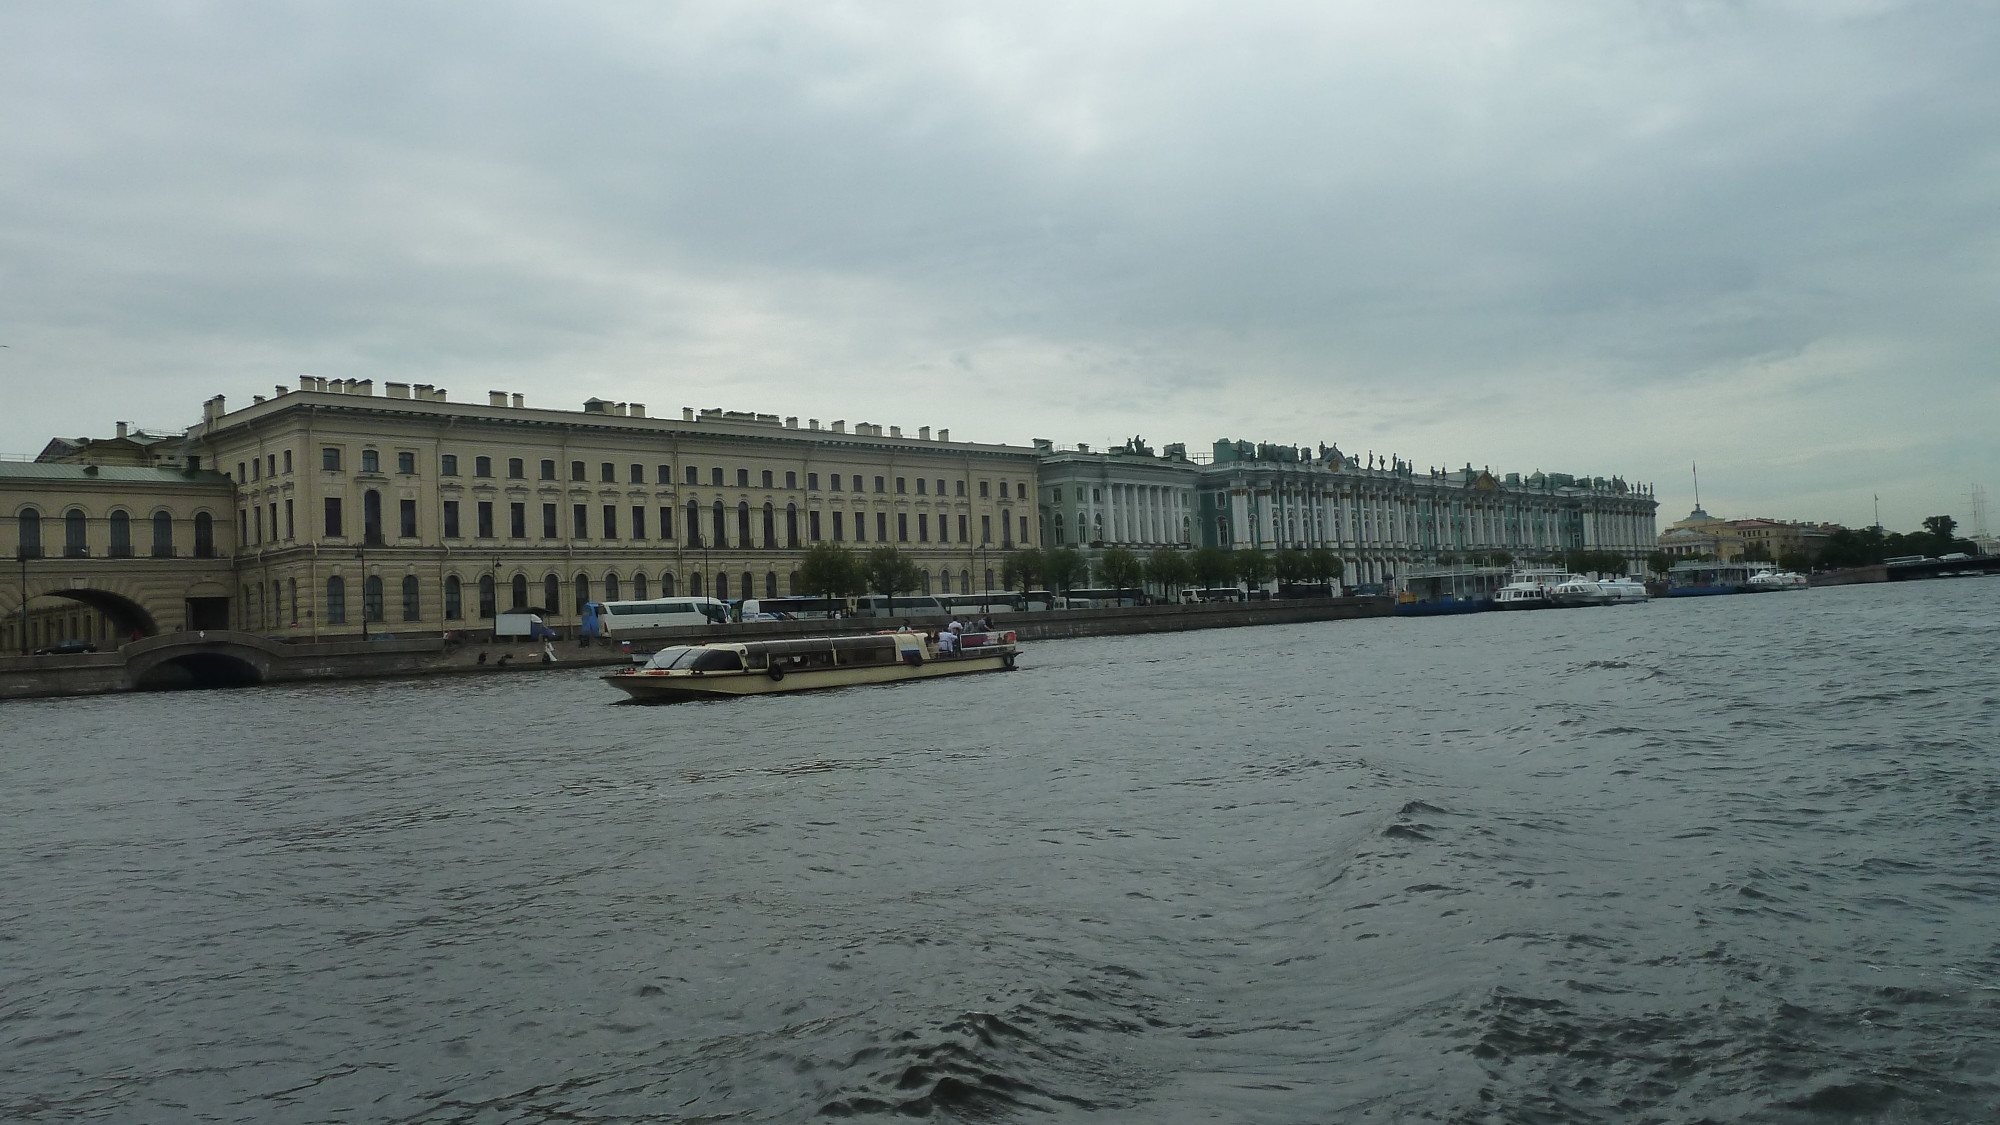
219 658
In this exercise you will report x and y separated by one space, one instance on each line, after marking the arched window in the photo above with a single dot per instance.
454 599
965 581
770 583
371 598
722 587
611 588
204 535
792 583
721 526
486 595
667 584
944 577
743 525
582 592
749 585
410 606
31 534
989 578
693 521
336 601
163 535
1006 529
75 545
121 534
371 518
292 592
926 576
551 594
256 606
639 587
770 527
792 526
520 591
694 584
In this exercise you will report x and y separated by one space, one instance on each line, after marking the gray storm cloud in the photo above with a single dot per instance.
1600 238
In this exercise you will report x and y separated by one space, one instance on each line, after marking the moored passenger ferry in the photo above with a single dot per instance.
723 668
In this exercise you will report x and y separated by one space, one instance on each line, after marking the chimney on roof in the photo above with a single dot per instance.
638 410
944 435
280 390
306 383
792 422
687 413
364 387
520 402
812 423
122 428
619 409
396 390
840 426
924 432
895 431
496 398
255 399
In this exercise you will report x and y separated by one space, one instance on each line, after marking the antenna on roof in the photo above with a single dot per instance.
1697 482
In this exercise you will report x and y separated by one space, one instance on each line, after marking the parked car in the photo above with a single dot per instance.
66 648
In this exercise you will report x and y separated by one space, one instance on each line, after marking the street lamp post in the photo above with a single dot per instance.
22 554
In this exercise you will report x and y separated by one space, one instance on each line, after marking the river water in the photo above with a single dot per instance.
1727 859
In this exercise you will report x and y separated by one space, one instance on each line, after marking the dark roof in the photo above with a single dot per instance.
131 474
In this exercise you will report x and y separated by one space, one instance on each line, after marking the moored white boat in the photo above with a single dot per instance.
1621 590
1765 580
721 669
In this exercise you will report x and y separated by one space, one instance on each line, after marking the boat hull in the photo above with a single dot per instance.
662 688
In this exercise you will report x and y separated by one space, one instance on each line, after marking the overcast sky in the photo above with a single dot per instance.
1604 238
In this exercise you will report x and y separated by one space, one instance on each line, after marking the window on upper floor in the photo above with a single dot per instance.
900 489
743 478
548 469
576 471
406 463
961 488
607 473
812 481
638 474
791 480
517 469
371 461
879 483
982 490
692 476
665 475
767 478
833 482
482 466
715 478
448 465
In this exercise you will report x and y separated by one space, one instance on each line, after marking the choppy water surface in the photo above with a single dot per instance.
1728 859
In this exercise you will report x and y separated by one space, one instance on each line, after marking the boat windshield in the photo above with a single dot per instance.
677 656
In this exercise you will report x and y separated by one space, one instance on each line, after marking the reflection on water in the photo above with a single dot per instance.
1729 859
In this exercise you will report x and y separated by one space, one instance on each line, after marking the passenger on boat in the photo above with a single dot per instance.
947 642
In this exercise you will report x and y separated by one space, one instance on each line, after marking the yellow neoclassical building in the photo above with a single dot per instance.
402 510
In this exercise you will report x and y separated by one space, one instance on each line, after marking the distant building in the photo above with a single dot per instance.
1126 496
1701 535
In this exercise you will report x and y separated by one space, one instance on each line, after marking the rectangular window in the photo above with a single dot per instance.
242 473
576 471
878 485
961 488
715 478
579 520
767 478
406 463
406 513
288 462
448 465
812 482
451 519
548 470
289 532
333 530
517 469
371 461
665 474
666 522
812 526
517 521
902 527
482 466
638 521
881 527
899 486
1003 490
549 529
923 528
920 486
607 473
638 474
693 475
1024 531
986 529
486 519
982 490
791 480
610 521
839 528
833 482
962 536
940 486
743 478
260 526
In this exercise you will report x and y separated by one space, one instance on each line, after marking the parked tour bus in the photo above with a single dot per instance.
1103 599
789 609
984 604
616 617
914 605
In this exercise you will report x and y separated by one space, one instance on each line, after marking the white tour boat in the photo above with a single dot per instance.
721 669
